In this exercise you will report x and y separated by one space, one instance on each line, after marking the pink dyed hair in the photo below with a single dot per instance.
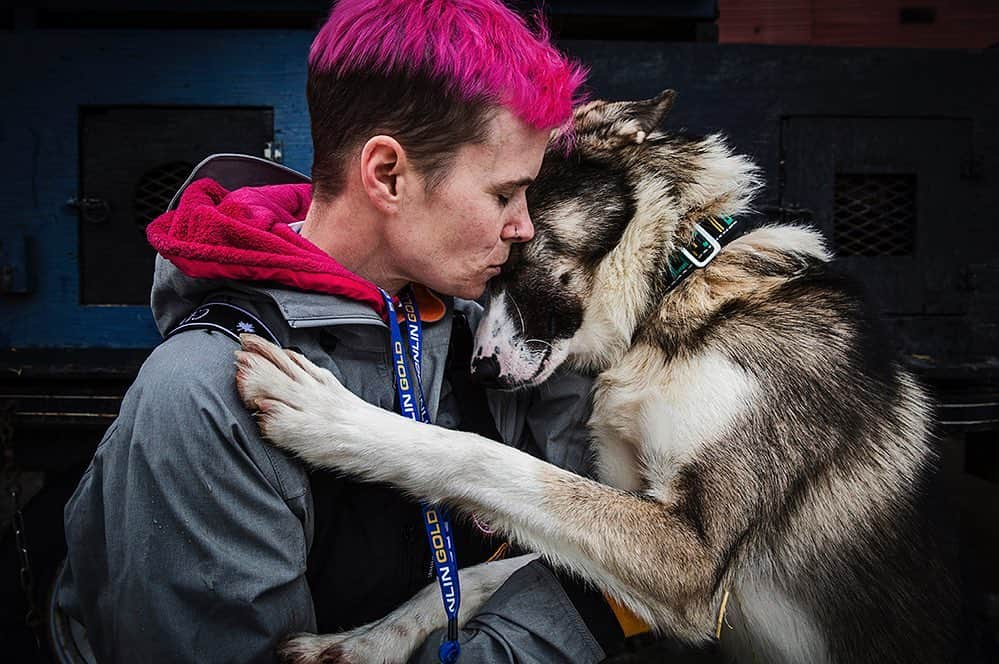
480 49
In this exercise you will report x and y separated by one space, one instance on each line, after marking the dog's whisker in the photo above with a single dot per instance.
517 307
539 341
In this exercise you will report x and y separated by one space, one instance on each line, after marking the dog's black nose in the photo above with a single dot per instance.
486 370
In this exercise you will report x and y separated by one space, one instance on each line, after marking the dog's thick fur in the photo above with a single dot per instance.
756 435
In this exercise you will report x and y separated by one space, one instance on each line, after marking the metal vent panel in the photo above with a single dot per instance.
874 214
156 189
133 160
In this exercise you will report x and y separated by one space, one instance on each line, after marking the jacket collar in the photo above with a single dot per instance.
303 309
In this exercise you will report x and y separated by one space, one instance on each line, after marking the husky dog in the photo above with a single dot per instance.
760 453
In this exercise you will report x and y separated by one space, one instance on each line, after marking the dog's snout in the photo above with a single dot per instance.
486 370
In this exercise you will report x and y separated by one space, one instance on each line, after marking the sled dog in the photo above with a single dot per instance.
756 443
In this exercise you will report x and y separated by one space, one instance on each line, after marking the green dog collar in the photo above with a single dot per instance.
706 243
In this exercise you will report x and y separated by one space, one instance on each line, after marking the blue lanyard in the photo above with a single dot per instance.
435 519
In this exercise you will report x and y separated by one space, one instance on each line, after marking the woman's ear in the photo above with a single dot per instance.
383 162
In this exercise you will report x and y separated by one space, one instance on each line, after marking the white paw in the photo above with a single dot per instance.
311 649
370 644
300 407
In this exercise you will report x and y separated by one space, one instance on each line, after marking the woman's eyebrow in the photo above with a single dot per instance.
513 184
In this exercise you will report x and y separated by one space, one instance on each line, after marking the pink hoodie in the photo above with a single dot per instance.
244 235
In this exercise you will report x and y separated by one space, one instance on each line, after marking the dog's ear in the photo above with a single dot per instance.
649 113
622 122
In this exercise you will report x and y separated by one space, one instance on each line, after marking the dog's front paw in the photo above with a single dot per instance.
267 373
364 645
311 649
300 407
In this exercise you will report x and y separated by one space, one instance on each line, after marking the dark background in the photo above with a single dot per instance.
874 121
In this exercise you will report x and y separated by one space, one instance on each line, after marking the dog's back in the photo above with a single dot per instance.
783 417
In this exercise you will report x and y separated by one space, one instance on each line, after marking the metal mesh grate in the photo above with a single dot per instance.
156 188
874 214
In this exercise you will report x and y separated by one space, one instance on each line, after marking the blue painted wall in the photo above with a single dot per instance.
47 75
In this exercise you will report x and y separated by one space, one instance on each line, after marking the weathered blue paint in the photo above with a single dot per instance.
48 75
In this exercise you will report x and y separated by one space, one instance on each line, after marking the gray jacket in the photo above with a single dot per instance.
188 534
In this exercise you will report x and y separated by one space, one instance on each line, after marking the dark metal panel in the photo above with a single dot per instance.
310 15
125 188
698 9
15 275
920 270
944 114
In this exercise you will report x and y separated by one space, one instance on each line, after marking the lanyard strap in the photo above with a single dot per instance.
435 519
414 335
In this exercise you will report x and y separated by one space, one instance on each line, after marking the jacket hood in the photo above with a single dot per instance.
244 235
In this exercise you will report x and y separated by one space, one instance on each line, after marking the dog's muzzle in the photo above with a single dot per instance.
486 370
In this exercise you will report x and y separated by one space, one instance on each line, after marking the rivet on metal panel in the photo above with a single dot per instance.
274 150
92 210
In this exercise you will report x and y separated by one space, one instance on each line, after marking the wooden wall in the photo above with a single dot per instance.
874 23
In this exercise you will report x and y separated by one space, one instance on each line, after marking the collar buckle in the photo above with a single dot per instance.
715 248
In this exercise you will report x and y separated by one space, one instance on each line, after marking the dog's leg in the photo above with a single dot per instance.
397 635
645 553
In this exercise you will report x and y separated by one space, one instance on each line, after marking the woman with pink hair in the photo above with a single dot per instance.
190 538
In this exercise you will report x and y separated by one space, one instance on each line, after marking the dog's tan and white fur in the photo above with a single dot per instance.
751 437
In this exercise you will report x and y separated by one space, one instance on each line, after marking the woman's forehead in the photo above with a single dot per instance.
511 151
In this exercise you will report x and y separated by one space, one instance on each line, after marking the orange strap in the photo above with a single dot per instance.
431 307
630 623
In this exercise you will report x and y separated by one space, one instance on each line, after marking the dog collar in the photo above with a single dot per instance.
707 242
